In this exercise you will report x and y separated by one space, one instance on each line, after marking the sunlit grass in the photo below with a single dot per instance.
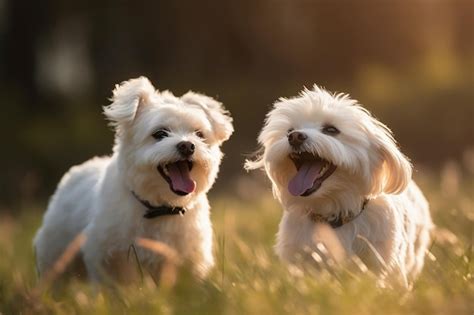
249 279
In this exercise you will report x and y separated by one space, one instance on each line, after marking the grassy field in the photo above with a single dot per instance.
248 278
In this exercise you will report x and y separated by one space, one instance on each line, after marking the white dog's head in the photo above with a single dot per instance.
168 147
319 145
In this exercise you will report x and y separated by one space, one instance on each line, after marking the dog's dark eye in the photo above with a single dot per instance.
199 134
161 133
330 130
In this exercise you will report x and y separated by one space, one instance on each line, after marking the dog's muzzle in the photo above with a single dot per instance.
296 139
177 175
311 172
185 148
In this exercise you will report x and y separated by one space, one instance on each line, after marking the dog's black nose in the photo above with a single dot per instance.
185 148
296 138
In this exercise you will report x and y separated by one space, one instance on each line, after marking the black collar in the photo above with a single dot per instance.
158 211
338 221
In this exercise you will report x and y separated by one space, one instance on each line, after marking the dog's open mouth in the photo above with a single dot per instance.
177 176
312 171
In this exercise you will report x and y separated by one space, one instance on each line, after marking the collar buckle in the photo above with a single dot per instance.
158 211
339 220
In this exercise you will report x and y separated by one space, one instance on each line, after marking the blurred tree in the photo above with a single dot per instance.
60 60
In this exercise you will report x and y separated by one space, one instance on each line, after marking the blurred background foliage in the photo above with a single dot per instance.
410 62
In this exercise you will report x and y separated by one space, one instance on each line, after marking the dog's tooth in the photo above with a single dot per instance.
323 169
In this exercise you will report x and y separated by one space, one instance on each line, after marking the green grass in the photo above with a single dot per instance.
249 279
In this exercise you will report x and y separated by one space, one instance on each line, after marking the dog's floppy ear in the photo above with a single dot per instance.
218 116
394 174
126 100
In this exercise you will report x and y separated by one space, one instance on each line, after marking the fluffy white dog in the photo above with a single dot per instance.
165 159
343 183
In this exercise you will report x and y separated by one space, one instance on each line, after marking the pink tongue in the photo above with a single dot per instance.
305 177
180 179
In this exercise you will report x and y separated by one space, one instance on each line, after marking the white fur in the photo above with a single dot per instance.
395 224
95 197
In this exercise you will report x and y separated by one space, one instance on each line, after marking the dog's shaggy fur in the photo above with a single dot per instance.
325 155
97 197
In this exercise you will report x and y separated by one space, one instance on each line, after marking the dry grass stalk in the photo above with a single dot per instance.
168 274
60 265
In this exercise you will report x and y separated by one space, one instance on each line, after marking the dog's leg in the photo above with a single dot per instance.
201 270
93 266
421 246
92 253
